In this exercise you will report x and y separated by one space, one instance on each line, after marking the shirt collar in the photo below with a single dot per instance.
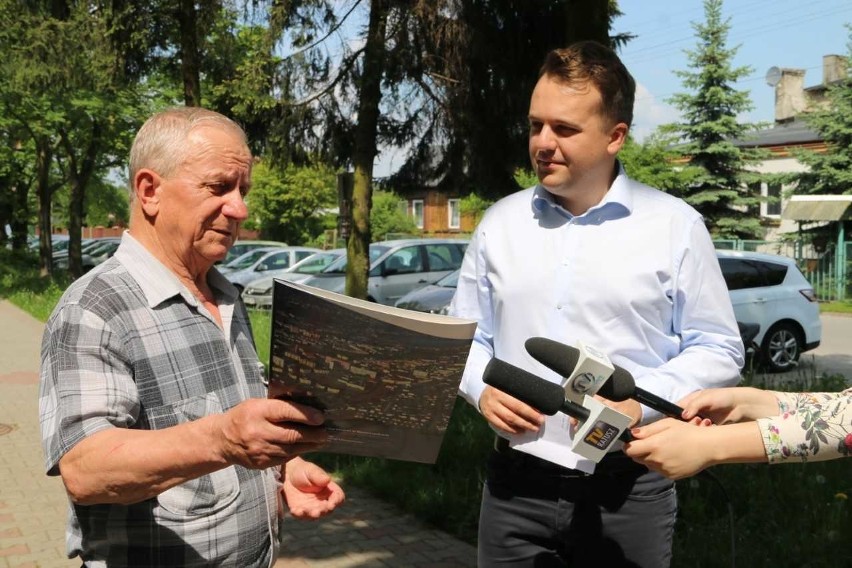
158 283
617 203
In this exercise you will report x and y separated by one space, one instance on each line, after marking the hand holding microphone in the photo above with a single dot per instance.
600 426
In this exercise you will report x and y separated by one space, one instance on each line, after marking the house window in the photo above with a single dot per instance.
453 214
773 205
770 204
417 212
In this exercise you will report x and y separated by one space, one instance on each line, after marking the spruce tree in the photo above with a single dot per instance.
722 190
830 172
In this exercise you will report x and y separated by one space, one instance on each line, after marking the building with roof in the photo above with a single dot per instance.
788 134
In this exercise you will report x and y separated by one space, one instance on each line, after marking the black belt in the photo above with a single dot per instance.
612 463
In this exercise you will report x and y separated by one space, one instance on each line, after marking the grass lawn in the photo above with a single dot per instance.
835 307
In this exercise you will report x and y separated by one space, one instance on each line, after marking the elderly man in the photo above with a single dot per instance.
152 402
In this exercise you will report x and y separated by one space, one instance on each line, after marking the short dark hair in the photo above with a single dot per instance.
592 62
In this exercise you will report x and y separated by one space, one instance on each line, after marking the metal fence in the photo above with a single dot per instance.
829 271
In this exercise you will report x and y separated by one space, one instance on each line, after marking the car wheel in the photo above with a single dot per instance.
781 347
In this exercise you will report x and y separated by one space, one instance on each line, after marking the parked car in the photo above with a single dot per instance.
245 260
774 304
434 298
770 291
93 252
397 267
258 294
275 258
241 247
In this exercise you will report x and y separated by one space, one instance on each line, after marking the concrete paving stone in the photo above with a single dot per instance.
14 550
408 538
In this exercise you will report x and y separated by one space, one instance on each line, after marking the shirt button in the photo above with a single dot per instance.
558 306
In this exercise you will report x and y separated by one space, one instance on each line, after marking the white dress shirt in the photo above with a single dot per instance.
635 276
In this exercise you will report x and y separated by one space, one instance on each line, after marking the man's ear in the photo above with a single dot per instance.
617 138
147 184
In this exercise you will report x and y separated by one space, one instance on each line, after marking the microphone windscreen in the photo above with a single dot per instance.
553 355
544 396
620 386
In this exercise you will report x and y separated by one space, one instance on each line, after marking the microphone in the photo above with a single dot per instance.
620 386
600 425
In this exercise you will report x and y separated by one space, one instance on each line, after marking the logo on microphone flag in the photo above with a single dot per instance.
601 435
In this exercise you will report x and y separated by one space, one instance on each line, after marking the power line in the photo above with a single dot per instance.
737 33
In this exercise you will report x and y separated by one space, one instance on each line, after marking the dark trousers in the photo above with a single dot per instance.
539 515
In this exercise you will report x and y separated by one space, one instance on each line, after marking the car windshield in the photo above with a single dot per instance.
101 248
451 280
339 265
315 262
247 259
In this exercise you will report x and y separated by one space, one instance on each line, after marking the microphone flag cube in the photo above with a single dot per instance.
595 435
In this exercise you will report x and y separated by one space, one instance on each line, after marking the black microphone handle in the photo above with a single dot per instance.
659 404
582 414
574 410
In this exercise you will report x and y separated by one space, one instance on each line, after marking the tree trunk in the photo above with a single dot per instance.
20 216
358 266
45 247
79 173
189 58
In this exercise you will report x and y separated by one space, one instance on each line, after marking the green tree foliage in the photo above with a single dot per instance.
288 205
654 162
387 216
830 172
722 190
107 204
64 100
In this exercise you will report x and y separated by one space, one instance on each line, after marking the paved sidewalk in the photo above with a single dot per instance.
364 533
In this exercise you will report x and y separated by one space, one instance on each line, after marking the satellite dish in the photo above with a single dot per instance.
773 76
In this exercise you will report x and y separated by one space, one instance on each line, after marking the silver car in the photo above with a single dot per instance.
397 267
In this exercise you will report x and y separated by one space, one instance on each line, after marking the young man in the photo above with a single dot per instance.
587 255
152 403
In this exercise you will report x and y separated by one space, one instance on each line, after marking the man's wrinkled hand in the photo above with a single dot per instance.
309 491
259 433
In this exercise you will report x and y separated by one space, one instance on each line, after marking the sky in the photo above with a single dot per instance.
782 33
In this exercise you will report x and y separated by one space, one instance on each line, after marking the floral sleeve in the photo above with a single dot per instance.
810 427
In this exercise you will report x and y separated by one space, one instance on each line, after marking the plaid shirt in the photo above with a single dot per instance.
129 346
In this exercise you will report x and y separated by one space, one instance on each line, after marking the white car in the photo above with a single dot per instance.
771 291
258 293
240 274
